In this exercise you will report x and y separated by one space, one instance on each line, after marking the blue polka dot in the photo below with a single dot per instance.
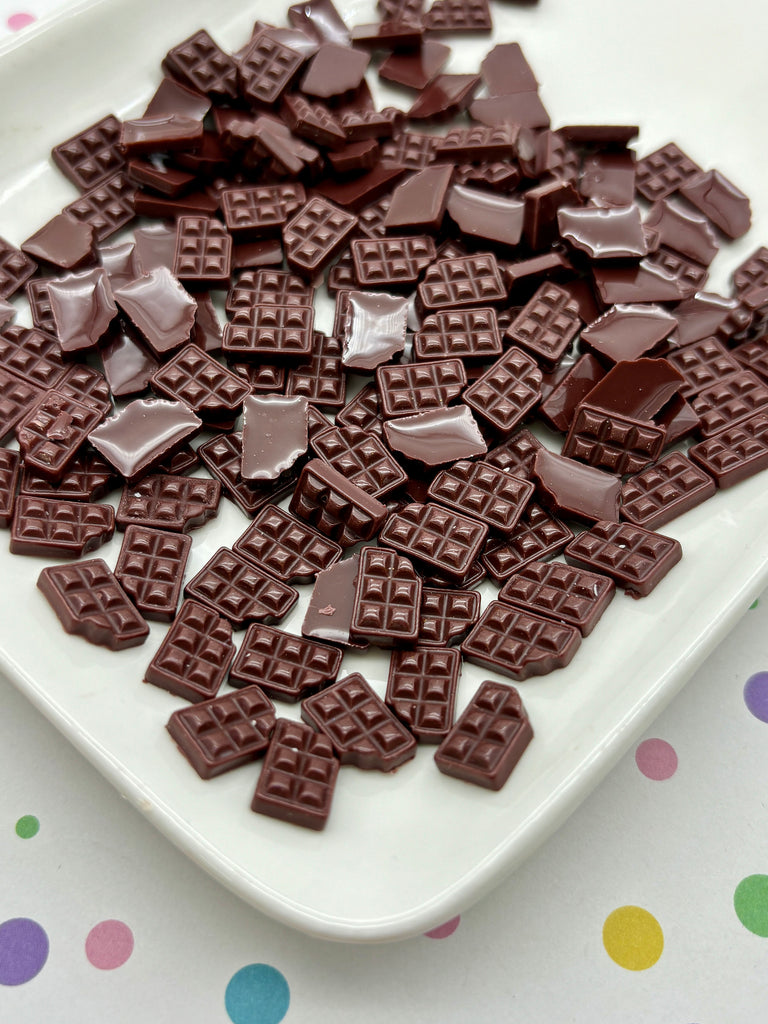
257 994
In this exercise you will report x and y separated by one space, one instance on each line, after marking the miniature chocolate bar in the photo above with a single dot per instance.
59 529
387 599
53 430
15 269
436 537
446 616
537 535
267 453
418 387
361 458
471 334
483 492
636 558
286 547
195 653
10 467
421 690
150 569
319 379
169 502
199 381
335 506
561 592
33 354
240 590
516 643
286 667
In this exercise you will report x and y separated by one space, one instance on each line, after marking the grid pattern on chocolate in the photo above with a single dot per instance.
315 234
435 536
17 398
53 430
446 616
312 121
57 528
203 250
266 69
341 276
362 458
32 354
320 378
391 261
262 378
335 506
194 655
735 398
286 547
421 690
359 125
240 590
458 16
461 334
362 729
224 732
270 330
363 411
702 363
418 387
286 667
298 776
483 492
547 324
662 492
199 380
634 557
107 207
15 268
753 272
10 469
87 385
273 287
92 155
413 150
465 281
223 457
562 592
690 274
478 143
537 535
261 209
612 442
387 599
663 172
91 603
87 477
40 304
370 220
507 390
150 568
201 64
519 644
489 738
736 452
516 455
176 503
753 355
495 175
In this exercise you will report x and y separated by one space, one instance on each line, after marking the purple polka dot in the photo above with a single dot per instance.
109 944
756 695
23 950
444 930
656 759
20 20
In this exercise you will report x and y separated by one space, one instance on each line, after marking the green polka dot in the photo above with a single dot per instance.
27 826
755 603
750 902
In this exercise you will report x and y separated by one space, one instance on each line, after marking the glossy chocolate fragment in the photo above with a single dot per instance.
169 502
15 269
193 658
663 172
519 108
161 310
635 558
418 203
374 330
64 241
361 458
604 233
415 69
485 216
719 200
142 433
573 490
274 435
421 690
446 616
59 529
150 568
334 70
628 331
444 97
538 535
223 457
10 470
51 433
329 612
286 667
435 537
482 492
436 437
559 407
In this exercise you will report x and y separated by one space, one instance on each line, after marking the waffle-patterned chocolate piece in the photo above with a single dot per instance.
59 529
662 492
493 175
663 172
413 150
85 384
240 590
461 334
150 568
519 644
370 220
753 355
363 411
313 121
15 268
516 455
261 210
731 400
91 156
32 354
736 452
273 287
483 492
458 16
298 776
418 387
702 363
50 434
361 458
691 275
107 207
547 324
224 732
10 468
202 65
203 253
314 236
176 503
360 125
391 263
335 506
360 726
341 276
320 378
489 738
269 331
387 599
478 144
195 654
87 478
265 70
753 272
446 616
286 546
40 304
421 690
436 537
262 378
507 391
223 457
286 667
616 443
91 603
561 592
199 380
465 281
537 535
637 559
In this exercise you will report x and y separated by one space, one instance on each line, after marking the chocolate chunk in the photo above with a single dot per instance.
315 235
90 602
319 18
561 592
421 690
482 492
10 470
174 502
737 397
465 281
15 269
82 308
374 330
274 435
203 254
223 457
620 444
265 69
312 121
489 739
63 241
642 282
18 398
202 65
142 433
436 437
362 411
270 331
458 16
507 391
490 218
362 729
735 453
537 536
471 334
515 455
719 200
505 70
419 202
559 407
320 379
546 325
628 331
88 477
171 97
413 150
415 69
195 653
663 172
240 591
361 458
286 547
392 263
516 643
418 387
664 491
329 613
520 108
682 230
50 434
635 558
702 364
286 667
92 155
270 287
160 309
604 233
446 616
59 529
334 70
608 179
435 537
753 271
335 506
638 388
150 568
573 490
444 97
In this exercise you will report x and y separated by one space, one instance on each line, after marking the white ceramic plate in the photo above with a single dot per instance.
404 852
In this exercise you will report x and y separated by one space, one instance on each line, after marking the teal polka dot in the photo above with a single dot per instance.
257 994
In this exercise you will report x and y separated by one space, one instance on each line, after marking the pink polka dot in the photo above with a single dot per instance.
656 759
444 930
20 20
109 944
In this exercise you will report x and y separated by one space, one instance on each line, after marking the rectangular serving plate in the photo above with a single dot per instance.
401 852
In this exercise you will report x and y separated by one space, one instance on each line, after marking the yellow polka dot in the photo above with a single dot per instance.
633 938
